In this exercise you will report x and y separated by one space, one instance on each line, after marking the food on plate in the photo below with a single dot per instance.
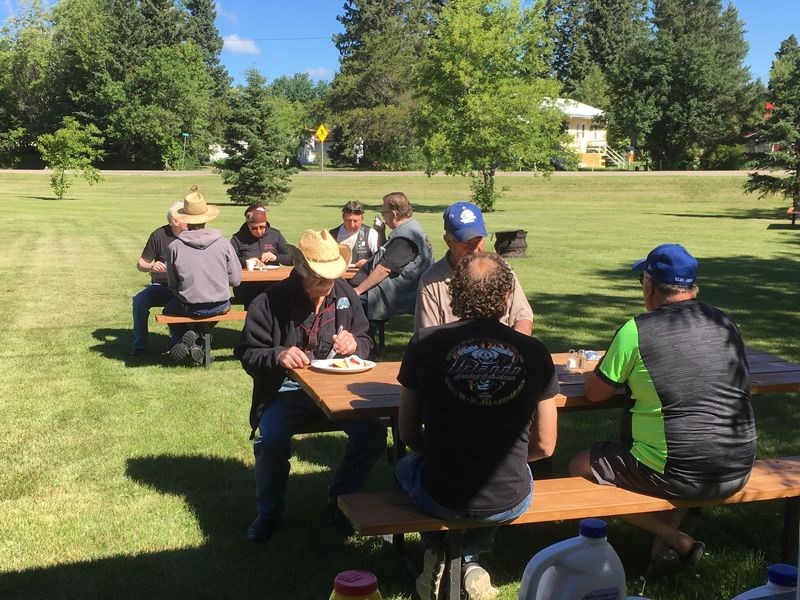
351 362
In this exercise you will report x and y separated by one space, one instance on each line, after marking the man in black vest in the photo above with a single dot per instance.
362 240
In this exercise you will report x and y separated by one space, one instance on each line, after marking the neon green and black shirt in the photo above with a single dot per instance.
684 366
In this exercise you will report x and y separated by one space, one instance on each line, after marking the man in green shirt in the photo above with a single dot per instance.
692 431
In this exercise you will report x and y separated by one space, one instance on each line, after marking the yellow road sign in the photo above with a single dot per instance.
322 132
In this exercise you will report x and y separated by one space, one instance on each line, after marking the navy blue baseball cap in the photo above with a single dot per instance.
669 263
465 221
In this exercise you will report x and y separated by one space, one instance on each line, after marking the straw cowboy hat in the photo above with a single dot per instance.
319 250
195 210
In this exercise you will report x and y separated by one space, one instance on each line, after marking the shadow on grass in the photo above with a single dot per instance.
767 214
115 344
300 561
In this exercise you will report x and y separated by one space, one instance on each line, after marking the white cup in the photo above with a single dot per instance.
251 263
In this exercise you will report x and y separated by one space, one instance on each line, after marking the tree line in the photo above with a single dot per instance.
462 87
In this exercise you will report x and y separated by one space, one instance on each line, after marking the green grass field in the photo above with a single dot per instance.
132 478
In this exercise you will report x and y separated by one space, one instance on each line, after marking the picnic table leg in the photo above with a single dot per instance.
791 527
398 452
207 348
453 563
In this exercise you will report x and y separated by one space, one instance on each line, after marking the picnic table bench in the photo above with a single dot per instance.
203 326
393 513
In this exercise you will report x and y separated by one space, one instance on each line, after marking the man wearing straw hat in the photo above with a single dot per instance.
201 267
306 316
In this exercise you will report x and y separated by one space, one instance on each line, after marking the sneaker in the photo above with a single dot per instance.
430 580
179 351
476 582
198 354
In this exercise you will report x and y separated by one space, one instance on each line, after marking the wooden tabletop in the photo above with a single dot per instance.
376 393
281 273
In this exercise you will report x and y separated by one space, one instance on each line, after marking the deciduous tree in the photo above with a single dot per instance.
72 148
483 102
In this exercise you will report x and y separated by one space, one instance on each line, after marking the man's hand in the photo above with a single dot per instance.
158 267
344 343
268 257
293 358
360 263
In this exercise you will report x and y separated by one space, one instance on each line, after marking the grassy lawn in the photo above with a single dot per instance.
132 478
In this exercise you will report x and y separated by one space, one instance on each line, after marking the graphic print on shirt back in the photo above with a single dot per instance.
484 372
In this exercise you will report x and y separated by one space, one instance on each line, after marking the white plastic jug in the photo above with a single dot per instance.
581 568
781 583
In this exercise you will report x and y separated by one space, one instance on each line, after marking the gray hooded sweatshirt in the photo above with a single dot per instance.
201 267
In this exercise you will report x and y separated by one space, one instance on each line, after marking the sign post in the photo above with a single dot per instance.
322 133
183 151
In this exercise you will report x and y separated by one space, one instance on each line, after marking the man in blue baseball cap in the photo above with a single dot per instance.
690 433
464 233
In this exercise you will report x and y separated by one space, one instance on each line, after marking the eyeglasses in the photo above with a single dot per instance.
256 227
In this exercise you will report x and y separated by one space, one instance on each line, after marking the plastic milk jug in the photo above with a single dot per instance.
581 568
781 583
355 585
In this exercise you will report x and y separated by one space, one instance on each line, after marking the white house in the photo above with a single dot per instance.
587 133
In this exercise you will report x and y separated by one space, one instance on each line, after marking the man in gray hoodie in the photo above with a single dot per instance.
201 267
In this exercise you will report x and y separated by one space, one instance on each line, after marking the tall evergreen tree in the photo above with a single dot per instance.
371 96
782 129
572 58
683 89
259 143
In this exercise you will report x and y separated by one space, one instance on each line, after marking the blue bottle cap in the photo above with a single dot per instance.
593 528
781 574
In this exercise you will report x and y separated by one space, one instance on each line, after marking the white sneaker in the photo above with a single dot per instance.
430 580
476 582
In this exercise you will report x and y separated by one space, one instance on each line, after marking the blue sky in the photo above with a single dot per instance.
274 33
283 38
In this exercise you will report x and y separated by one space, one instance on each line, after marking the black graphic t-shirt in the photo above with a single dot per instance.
478 383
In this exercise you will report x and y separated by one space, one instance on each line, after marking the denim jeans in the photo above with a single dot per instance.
178 308
155 294
408 473
273 447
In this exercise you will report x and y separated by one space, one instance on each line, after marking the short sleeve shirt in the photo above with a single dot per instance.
156 249
686 370
478 383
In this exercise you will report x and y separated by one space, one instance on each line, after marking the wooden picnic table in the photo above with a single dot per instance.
272 275
376 393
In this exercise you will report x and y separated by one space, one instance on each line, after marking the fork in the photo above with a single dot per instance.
332 353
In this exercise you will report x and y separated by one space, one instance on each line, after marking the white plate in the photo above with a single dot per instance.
325 366
267 268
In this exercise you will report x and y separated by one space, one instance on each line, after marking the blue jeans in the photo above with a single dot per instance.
273 446
408 473
179 308
155 294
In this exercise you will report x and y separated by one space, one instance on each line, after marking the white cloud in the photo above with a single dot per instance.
221 12
319 73
236 45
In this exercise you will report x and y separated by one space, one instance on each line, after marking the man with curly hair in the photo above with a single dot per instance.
485 394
